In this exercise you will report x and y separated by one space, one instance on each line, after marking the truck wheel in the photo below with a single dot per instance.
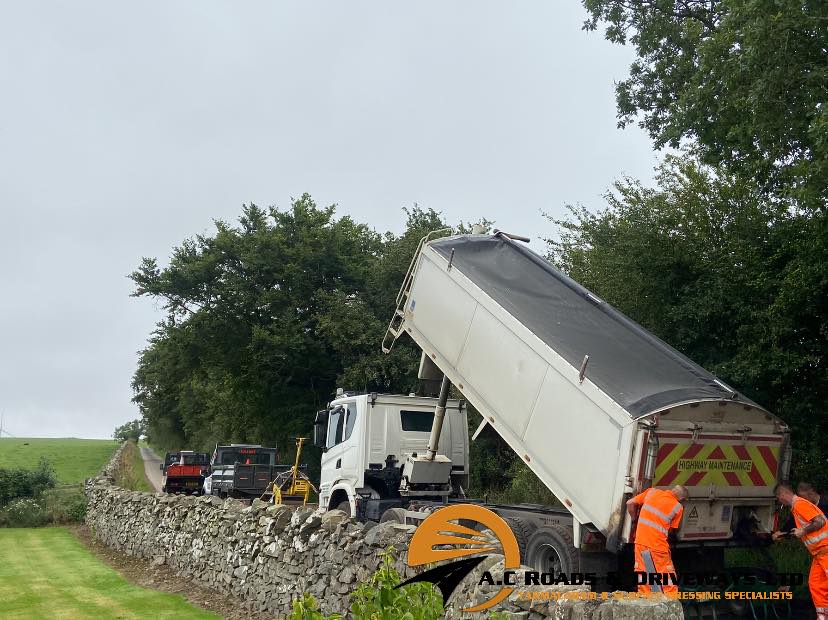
345 507
550 550
393 515
523 531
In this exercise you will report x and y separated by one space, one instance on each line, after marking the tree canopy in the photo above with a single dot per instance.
265 318
727 257
713 267
744 82
130 431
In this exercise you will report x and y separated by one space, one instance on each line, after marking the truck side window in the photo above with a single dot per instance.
419 421
335 423
351 421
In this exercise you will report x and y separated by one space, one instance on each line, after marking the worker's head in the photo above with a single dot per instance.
680 493
784 494
806 490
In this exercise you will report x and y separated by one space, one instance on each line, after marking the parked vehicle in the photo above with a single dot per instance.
243 471
595 405
184 471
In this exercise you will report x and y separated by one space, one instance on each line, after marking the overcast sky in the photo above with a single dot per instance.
125 128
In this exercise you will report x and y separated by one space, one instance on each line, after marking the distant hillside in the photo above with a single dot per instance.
73 459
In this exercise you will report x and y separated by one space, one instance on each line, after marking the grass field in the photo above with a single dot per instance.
48 573
74 460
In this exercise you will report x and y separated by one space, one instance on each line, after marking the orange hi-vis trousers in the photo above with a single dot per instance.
650 562
818 584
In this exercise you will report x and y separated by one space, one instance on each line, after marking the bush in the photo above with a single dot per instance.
28 498
22 483
308 609
55 506
27 512
65 505
380 598
522 487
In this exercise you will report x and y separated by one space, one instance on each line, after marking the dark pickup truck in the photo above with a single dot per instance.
243 471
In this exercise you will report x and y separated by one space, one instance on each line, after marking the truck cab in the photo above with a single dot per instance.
366 440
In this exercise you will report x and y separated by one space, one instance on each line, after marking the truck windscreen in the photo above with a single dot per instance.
195 459
249 457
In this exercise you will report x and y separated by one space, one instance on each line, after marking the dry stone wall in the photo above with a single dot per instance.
269 555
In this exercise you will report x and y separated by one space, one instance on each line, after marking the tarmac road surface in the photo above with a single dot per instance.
152 464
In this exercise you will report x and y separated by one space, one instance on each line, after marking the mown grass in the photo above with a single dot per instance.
130 473
73 460
47 573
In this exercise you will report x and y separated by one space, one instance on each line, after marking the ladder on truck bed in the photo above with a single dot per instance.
395 325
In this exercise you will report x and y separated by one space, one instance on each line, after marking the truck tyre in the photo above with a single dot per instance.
550 549
523 531
393 515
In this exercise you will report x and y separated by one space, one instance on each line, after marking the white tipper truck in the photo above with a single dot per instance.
595 405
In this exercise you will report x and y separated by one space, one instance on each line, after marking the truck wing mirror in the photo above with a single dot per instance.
161 466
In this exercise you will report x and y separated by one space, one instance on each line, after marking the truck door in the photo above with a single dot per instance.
339 461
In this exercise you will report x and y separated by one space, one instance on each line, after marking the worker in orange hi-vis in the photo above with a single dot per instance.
812 529
658 511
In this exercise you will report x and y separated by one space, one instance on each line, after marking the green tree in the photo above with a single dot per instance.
131 431
725 275
239 355
742 81
264 319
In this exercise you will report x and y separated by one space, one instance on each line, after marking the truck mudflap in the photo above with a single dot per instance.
730 478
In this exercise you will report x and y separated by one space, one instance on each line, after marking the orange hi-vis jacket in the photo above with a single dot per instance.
803 513
660 511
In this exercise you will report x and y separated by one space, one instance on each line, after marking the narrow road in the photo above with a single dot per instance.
152 464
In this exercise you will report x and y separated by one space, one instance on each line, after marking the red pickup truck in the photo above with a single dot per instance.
184 471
